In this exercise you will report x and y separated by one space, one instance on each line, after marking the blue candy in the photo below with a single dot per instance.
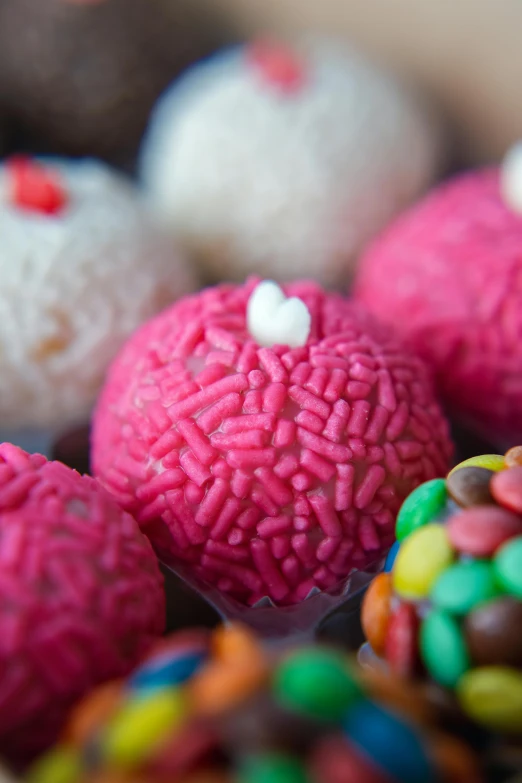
167 669
392 554
390 743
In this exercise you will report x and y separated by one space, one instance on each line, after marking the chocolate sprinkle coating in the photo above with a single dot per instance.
81 79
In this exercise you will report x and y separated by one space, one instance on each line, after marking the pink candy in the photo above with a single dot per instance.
287 445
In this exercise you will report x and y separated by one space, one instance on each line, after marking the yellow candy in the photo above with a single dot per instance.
141 726
61 765
492 695
420 560
493 462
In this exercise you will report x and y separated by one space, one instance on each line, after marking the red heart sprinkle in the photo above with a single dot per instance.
35 187
277 64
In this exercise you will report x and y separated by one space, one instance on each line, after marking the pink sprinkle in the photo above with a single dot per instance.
409 449
371 482
241 484
256 379
302 507
284 433
226 518
412 469
253 402
275 488
272 365
374 454
317 381
212 503
210 374
344 487
261 499
368 537
335 428
184 515
197 441
386 393
274 398
291 569
249 518
193 493
151 511
418 431
300 373
268 569
358 448
378 421
359 372
383 518
208 396
326 515
274 526
303 590
292 358
254 421
332 451
301 482
286 467
309 401
236 537
336 385
310 421
359 418
169 479
280 546
221 338
188 339
126 464
225 358
325 578
327 548
324 360
138 450
320 467
235 554
356 390
391 460
256 458
249 439
222 470
170 460
159 416
303 524
398 421
247 361
340 561
278 65
197 472
209 420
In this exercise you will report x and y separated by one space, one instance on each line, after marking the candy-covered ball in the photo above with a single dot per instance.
82 266
284 159
448 276
267 471
79 77
221 710
81 595
450 605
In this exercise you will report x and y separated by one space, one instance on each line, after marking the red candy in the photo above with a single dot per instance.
480 530
506 488
35 187
278 65
336 761
401 647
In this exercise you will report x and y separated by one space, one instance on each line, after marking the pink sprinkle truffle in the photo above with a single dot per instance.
267 471
81 596
448 277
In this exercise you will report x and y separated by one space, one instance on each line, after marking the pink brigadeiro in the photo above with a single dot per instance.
267 470
448 277
81 596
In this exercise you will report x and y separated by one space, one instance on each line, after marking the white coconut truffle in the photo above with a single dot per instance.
286 161
74 284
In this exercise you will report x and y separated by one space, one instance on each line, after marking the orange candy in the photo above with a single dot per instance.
93 712
375 612
456 761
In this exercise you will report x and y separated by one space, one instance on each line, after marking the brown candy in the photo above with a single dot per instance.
470 486
513 457
494 633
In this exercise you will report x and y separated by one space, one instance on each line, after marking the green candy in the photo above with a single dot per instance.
272 768
423 505
443 648
464 585
508 566
61 765
317 683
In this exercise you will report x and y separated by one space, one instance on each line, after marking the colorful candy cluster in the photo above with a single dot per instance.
222 710
450 602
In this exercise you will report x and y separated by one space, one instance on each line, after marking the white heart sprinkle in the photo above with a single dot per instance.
272 319
511 178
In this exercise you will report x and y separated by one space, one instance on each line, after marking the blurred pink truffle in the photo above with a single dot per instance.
448 277
81 596
267 471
